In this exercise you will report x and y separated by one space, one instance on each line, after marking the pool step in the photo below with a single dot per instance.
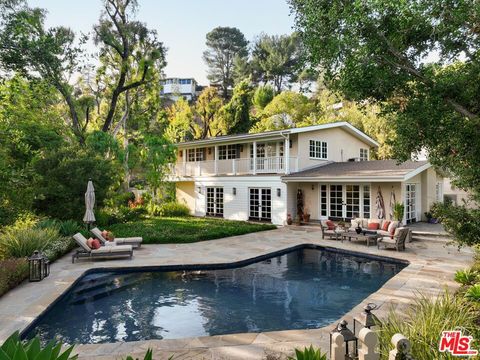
104 287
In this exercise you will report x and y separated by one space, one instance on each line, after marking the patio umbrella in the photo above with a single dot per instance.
392 203
380 205
89 216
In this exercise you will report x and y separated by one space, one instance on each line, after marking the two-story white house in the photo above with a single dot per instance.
257 176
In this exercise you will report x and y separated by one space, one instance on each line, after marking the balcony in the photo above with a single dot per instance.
242 166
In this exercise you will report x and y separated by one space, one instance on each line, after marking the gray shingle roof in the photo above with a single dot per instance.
359 169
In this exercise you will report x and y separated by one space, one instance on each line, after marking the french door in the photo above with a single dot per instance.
260 204
215 201
411 203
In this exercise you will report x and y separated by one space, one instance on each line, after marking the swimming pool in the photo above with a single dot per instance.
300 289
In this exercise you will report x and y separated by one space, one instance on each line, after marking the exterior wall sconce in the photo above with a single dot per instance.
279 192
180 153
234 191
313 187
199 189
209 151
241 148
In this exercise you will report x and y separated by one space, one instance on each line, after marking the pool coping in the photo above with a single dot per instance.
207 267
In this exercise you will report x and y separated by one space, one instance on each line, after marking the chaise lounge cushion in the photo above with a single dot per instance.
134 241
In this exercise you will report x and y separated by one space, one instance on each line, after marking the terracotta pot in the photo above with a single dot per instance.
306 218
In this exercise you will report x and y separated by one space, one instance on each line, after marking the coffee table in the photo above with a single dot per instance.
367 237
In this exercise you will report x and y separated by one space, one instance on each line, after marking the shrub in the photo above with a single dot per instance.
473 293
61 191
173 209
466 277
309 353
59 247
460 221
14 271
20 242
423 322
14 348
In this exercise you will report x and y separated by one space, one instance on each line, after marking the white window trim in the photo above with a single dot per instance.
321 147
368 154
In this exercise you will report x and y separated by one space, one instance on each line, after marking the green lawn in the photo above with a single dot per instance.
185 229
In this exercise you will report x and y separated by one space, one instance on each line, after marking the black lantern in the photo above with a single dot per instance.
46 266
351 341
36 266
366 319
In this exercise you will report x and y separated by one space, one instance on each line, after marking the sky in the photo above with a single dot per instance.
181 25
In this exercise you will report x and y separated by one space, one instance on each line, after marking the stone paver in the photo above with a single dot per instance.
431 269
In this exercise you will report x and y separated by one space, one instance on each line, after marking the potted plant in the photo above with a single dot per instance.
298 220
398 211
289 219
429 216
306 216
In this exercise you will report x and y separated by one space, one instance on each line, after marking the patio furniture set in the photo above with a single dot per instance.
383 233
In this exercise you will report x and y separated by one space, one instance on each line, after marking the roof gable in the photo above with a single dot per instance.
278 133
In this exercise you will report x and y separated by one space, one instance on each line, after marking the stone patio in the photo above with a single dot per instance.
431 269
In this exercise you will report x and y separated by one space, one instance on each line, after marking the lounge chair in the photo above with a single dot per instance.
398 240
104 251
135 242
332 234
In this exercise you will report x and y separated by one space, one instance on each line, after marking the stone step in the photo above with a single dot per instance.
440 239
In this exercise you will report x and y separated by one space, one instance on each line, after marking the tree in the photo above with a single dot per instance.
224 45
180 122
287 109
419 60
128 50
262 97
235 115
275 59
206 115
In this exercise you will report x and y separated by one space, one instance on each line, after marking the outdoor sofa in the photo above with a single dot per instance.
102 252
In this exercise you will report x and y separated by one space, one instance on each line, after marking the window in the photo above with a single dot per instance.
227 152
336 201
352 200
215 201
363 154
323 200
366 201
195 154
318 149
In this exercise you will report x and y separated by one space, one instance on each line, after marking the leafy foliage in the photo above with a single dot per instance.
172 209
235 115
424 321
262 96
383 52
275 59
460 221
14 348
60 192
19 242
473 293
309 353
466 277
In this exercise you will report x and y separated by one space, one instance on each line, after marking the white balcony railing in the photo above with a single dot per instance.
262 165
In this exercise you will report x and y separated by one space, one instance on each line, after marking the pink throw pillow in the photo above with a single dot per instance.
90 243
330 225
95 244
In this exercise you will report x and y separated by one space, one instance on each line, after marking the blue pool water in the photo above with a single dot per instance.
304 288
